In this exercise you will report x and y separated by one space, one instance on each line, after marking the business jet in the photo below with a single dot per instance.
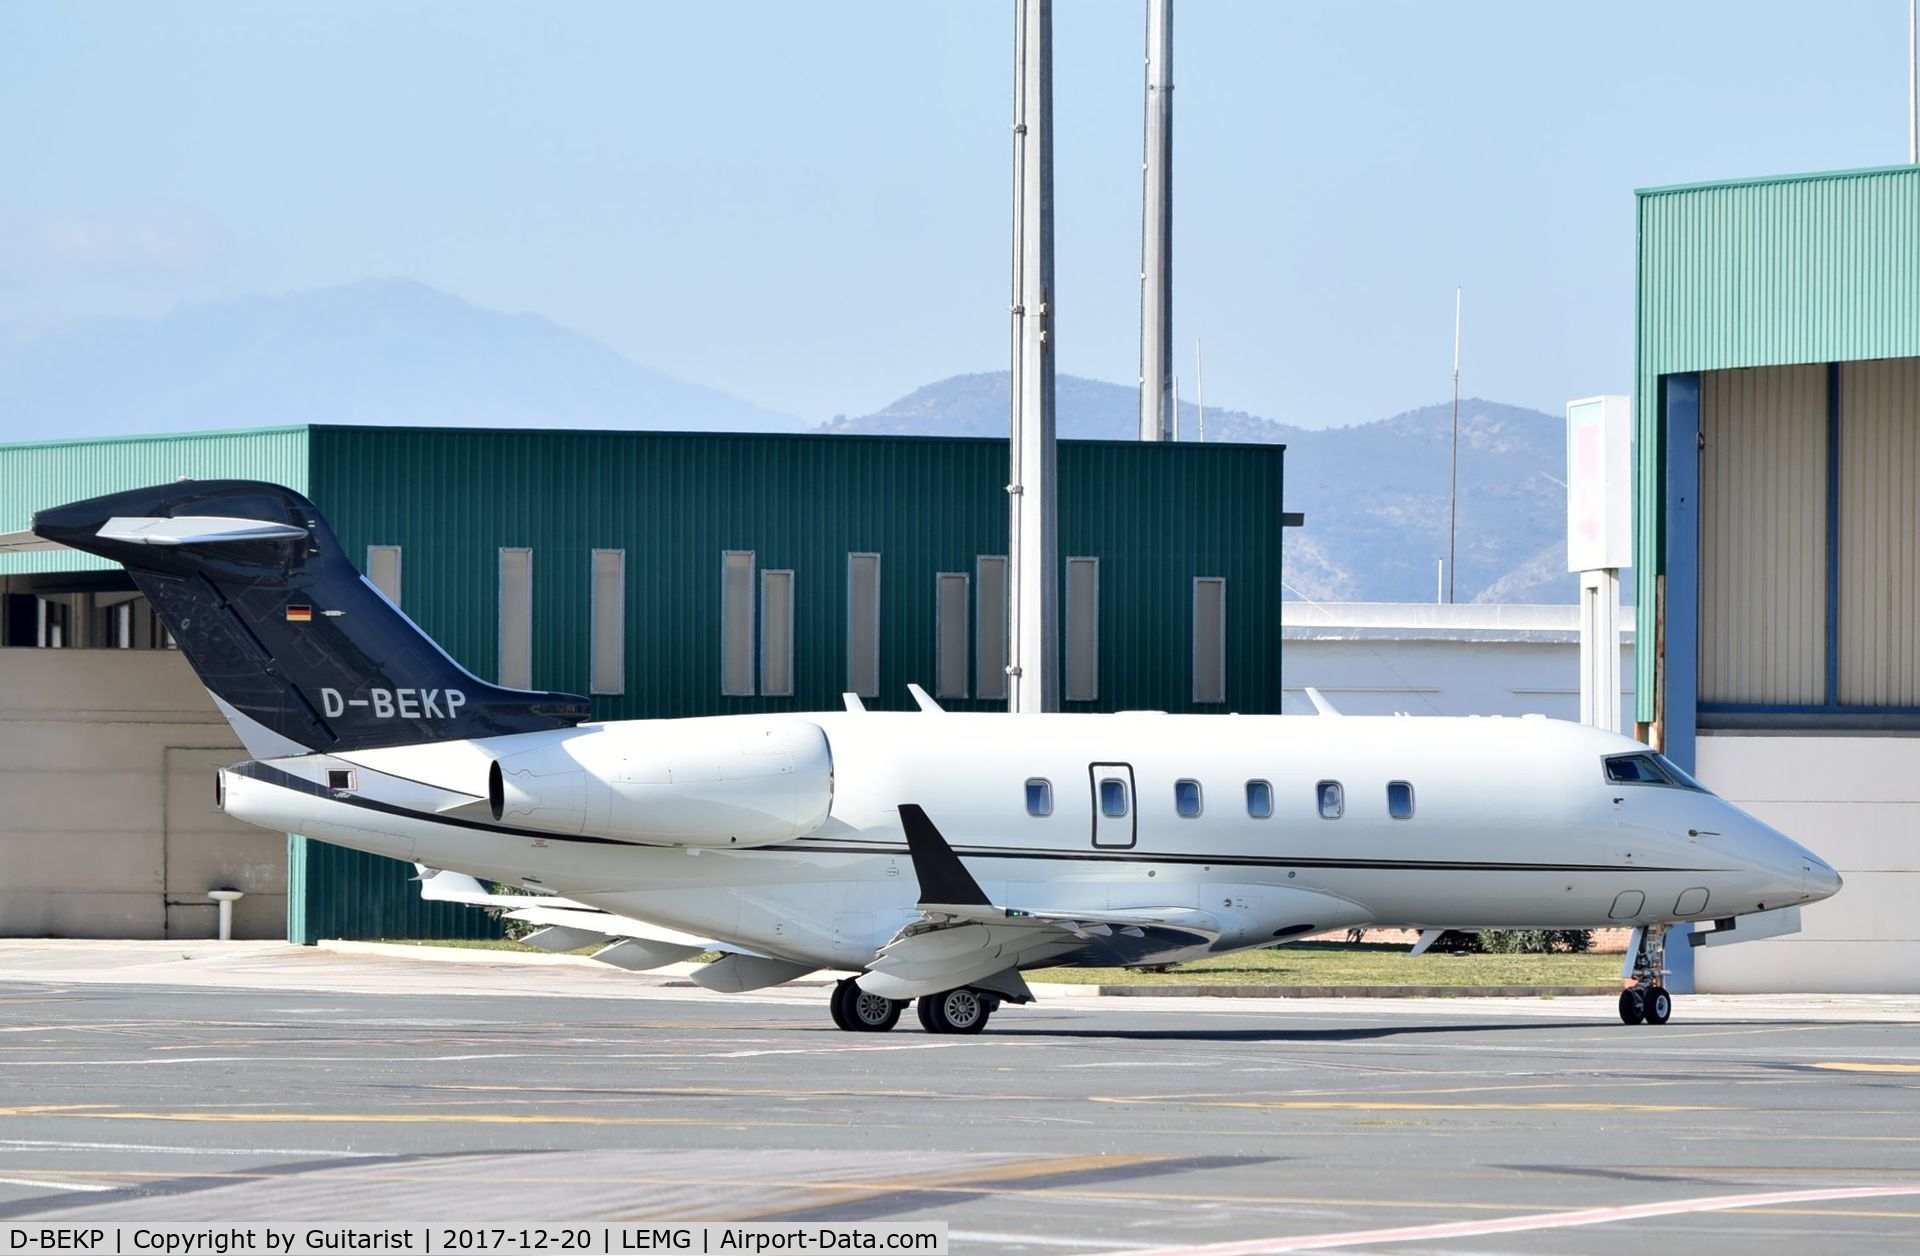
936 856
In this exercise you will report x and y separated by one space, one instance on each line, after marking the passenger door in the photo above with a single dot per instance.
1116 821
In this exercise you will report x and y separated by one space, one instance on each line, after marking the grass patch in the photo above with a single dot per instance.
1357 964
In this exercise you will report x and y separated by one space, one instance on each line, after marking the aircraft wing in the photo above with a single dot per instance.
566 925
961 938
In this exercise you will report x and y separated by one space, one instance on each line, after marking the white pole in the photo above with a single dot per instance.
1200 387
1033 542
1156 228
1439 581
1453 481
1176 408
1913 81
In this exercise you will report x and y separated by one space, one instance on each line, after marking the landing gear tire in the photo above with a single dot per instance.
1646 1001
862 1011
961 1011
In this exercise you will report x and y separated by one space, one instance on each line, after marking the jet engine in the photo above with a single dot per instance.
720 782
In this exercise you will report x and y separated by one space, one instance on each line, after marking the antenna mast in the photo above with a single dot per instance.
1453 481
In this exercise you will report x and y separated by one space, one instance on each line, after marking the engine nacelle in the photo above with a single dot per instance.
729 781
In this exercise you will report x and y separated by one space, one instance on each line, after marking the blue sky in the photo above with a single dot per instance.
807 204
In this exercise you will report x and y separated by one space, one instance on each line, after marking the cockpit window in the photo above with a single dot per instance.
1648 768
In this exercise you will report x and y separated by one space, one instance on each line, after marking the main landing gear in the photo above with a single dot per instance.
961 1011
856 1010
1646 1000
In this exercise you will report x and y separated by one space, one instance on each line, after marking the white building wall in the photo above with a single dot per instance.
1379 658
110 827
1855 801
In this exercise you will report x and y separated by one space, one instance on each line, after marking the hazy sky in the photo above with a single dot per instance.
808 204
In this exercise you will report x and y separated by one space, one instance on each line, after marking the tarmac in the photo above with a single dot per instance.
213 1083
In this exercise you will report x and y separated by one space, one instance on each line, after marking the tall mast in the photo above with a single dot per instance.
1156 230
1033 675
1453 475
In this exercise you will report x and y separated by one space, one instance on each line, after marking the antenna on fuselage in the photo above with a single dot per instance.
1320 704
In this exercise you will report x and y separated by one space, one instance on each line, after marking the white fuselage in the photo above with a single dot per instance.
1515 824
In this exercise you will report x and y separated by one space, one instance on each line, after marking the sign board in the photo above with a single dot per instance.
1600 484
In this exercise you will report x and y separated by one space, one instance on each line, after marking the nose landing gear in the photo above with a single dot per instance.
1646 1000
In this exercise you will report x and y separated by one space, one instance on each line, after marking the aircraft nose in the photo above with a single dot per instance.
1820 879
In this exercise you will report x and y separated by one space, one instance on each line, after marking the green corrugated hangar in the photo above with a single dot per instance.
1777 475
665 574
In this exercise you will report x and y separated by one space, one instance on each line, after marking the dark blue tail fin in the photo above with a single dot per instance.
300 651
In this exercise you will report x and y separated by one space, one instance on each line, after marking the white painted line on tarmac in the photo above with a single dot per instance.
1520 1225
57 1186
55 1144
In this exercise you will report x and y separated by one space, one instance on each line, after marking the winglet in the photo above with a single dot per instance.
1320 703
943 878
924 702
852 702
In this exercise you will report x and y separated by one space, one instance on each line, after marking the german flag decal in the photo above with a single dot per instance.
299 614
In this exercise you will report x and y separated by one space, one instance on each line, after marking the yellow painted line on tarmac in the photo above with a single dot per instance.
980 1181
1390 1106
1865 1066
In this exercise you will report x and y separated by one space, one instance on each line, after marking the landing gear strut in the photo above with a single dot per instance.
1646 1000
861 1012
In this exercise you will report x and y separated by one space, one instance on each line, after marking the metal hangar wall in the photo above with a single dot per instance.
1777 475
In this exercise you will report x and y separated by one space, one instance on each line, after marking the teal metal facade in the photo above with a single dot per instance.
1157 516
1818 268
49 473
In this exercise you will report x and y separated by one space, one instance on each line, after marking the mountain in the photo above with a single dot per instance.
381 351
1375 494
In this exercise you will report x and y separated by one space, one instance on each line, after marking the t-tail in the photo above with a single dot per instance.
301 652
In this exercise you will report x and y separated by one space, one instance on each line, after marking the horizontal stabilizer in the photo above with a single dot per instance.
556 938
642 954
194 530
736 974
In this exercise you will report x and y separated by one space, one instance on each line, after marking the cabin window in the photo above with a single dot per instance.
516 618
863 625
1333 799
736 623
1113 798
1186 798
608 638
1259 799
1039 797
776 634
990 627
1400 800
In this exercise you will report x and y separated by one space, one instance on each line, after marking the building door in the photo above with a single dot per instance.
1115 822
